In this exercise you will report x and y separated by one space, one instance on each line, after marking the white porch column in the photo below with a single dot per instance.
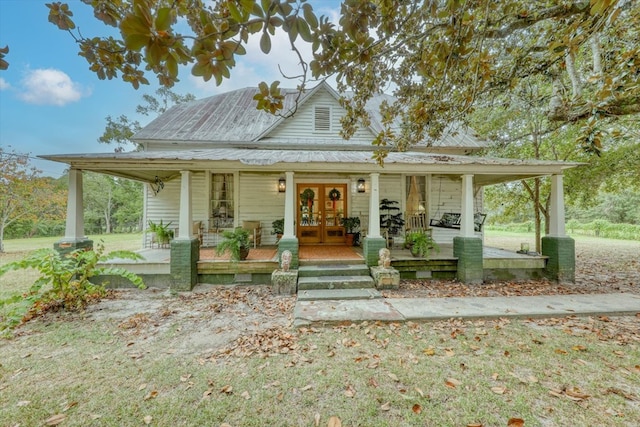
74 230
185 229
374 207
556 208
289 207
466 220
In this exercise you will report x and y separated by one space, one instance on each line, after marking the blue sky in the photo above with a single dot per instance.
50 103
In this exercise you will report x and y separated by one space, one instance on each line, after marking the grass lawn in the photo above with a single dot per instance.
227 356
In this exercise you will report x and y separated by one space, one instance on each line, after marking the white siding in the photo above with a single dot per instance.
301 125
259 200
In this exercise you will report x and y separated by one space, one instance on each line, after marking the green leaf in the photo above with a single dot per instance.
309 16
265 42
164 19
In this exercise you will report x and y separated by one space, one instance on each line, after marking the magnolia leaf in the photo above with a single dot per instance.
265 43
334 422
55 419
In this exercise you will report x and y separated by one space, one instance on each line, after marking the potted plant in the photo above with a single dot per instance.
278 228
351 225
420 243
162 232
391 217
236 242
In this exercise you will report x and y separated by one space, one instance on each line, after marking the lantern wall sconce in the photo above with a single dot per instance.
282 185
360 185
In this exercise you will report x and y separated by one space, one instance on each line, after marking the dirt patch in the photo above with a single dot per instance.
203 322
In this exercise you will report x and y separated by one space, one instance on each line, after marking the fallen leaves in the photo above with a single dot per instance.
573 393
54 420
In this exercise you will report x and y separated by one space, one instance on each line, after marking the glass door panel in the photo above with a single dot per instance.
321 208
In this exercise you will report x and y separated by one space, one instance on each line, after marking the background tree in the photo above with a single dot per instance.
111 203
441 57
24 195
121 129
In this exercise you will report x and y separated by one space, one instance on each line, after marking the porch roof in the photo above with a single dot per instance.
146 166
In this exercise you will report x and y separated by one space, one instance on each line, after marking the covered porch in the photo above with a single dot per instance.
463 247
498 264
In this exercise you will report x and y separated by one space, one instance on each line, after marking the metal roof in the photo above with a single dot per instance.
145 166
232 119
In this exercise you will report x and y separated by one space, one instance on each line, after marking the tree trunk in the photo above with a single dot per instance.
1 237
536 204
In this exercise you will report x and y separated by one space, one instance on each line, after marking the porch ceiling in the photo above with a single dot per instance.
166 165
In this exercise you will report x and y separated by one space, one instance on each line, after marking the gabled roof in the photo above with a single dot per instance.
231 118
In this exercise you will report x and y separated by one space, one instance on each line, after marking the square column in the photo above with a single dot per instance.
74 237
467 247
374 241
289 241
560 248
185 249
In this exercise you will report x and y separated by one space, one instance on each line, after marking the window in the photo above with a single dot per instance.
222 200
322 119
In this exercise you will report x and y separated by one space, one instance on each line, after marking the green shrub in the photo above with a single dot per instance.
64 283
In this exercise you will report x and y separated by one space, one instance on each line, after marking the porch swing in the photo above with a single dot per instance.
452 219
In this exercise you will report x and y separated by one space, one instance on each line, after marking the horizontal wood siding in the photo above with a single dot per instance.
301 125
259 200
164 206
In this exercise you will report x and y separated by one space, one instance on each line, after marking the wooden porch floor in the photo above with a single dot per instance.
331 252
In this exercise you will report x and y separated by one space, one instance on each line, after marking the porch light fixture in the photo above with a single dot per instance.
360 185
282 185
156 186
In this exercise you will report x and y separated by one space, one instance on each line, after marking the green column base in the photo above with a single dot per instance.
290 244
468 250
561 265
184 264
370 248
67 246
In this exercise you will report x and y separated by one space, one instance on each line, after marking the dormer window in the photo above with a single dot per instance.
322 119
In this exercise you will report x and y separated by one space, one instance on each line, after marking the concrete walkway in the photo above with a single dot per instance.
374 308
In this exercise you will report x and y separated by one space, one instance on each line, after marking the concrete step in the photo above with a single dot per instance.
330 262
338 294
333 270
335 282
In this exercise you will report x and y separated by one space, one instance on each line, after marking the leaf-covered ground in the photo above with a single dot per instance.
228 356
600 268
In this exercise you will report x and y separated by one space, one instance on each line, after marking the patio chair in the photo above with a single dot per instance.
255 232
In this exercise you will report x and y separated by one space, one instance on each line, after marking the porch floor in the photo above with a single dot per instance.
330 252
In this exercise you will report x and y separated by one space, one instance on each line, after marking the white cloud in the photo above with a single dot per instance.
4 85
50 87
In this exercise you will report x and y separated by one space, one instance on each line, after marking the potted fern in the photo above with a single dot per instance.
162 232
235 242
420 244
278 228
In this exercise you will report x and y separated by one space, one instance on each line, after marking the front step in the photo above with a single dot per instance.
333 270
338 294
334 282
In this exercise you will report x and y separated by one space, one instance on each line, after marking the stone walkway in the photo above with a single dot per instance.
325 309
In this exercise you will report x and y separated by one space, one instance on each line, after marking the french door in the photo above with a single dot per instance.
321 208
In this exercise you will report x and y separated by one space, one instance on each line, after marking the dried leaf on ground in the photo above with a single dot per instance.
334 422
54 420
